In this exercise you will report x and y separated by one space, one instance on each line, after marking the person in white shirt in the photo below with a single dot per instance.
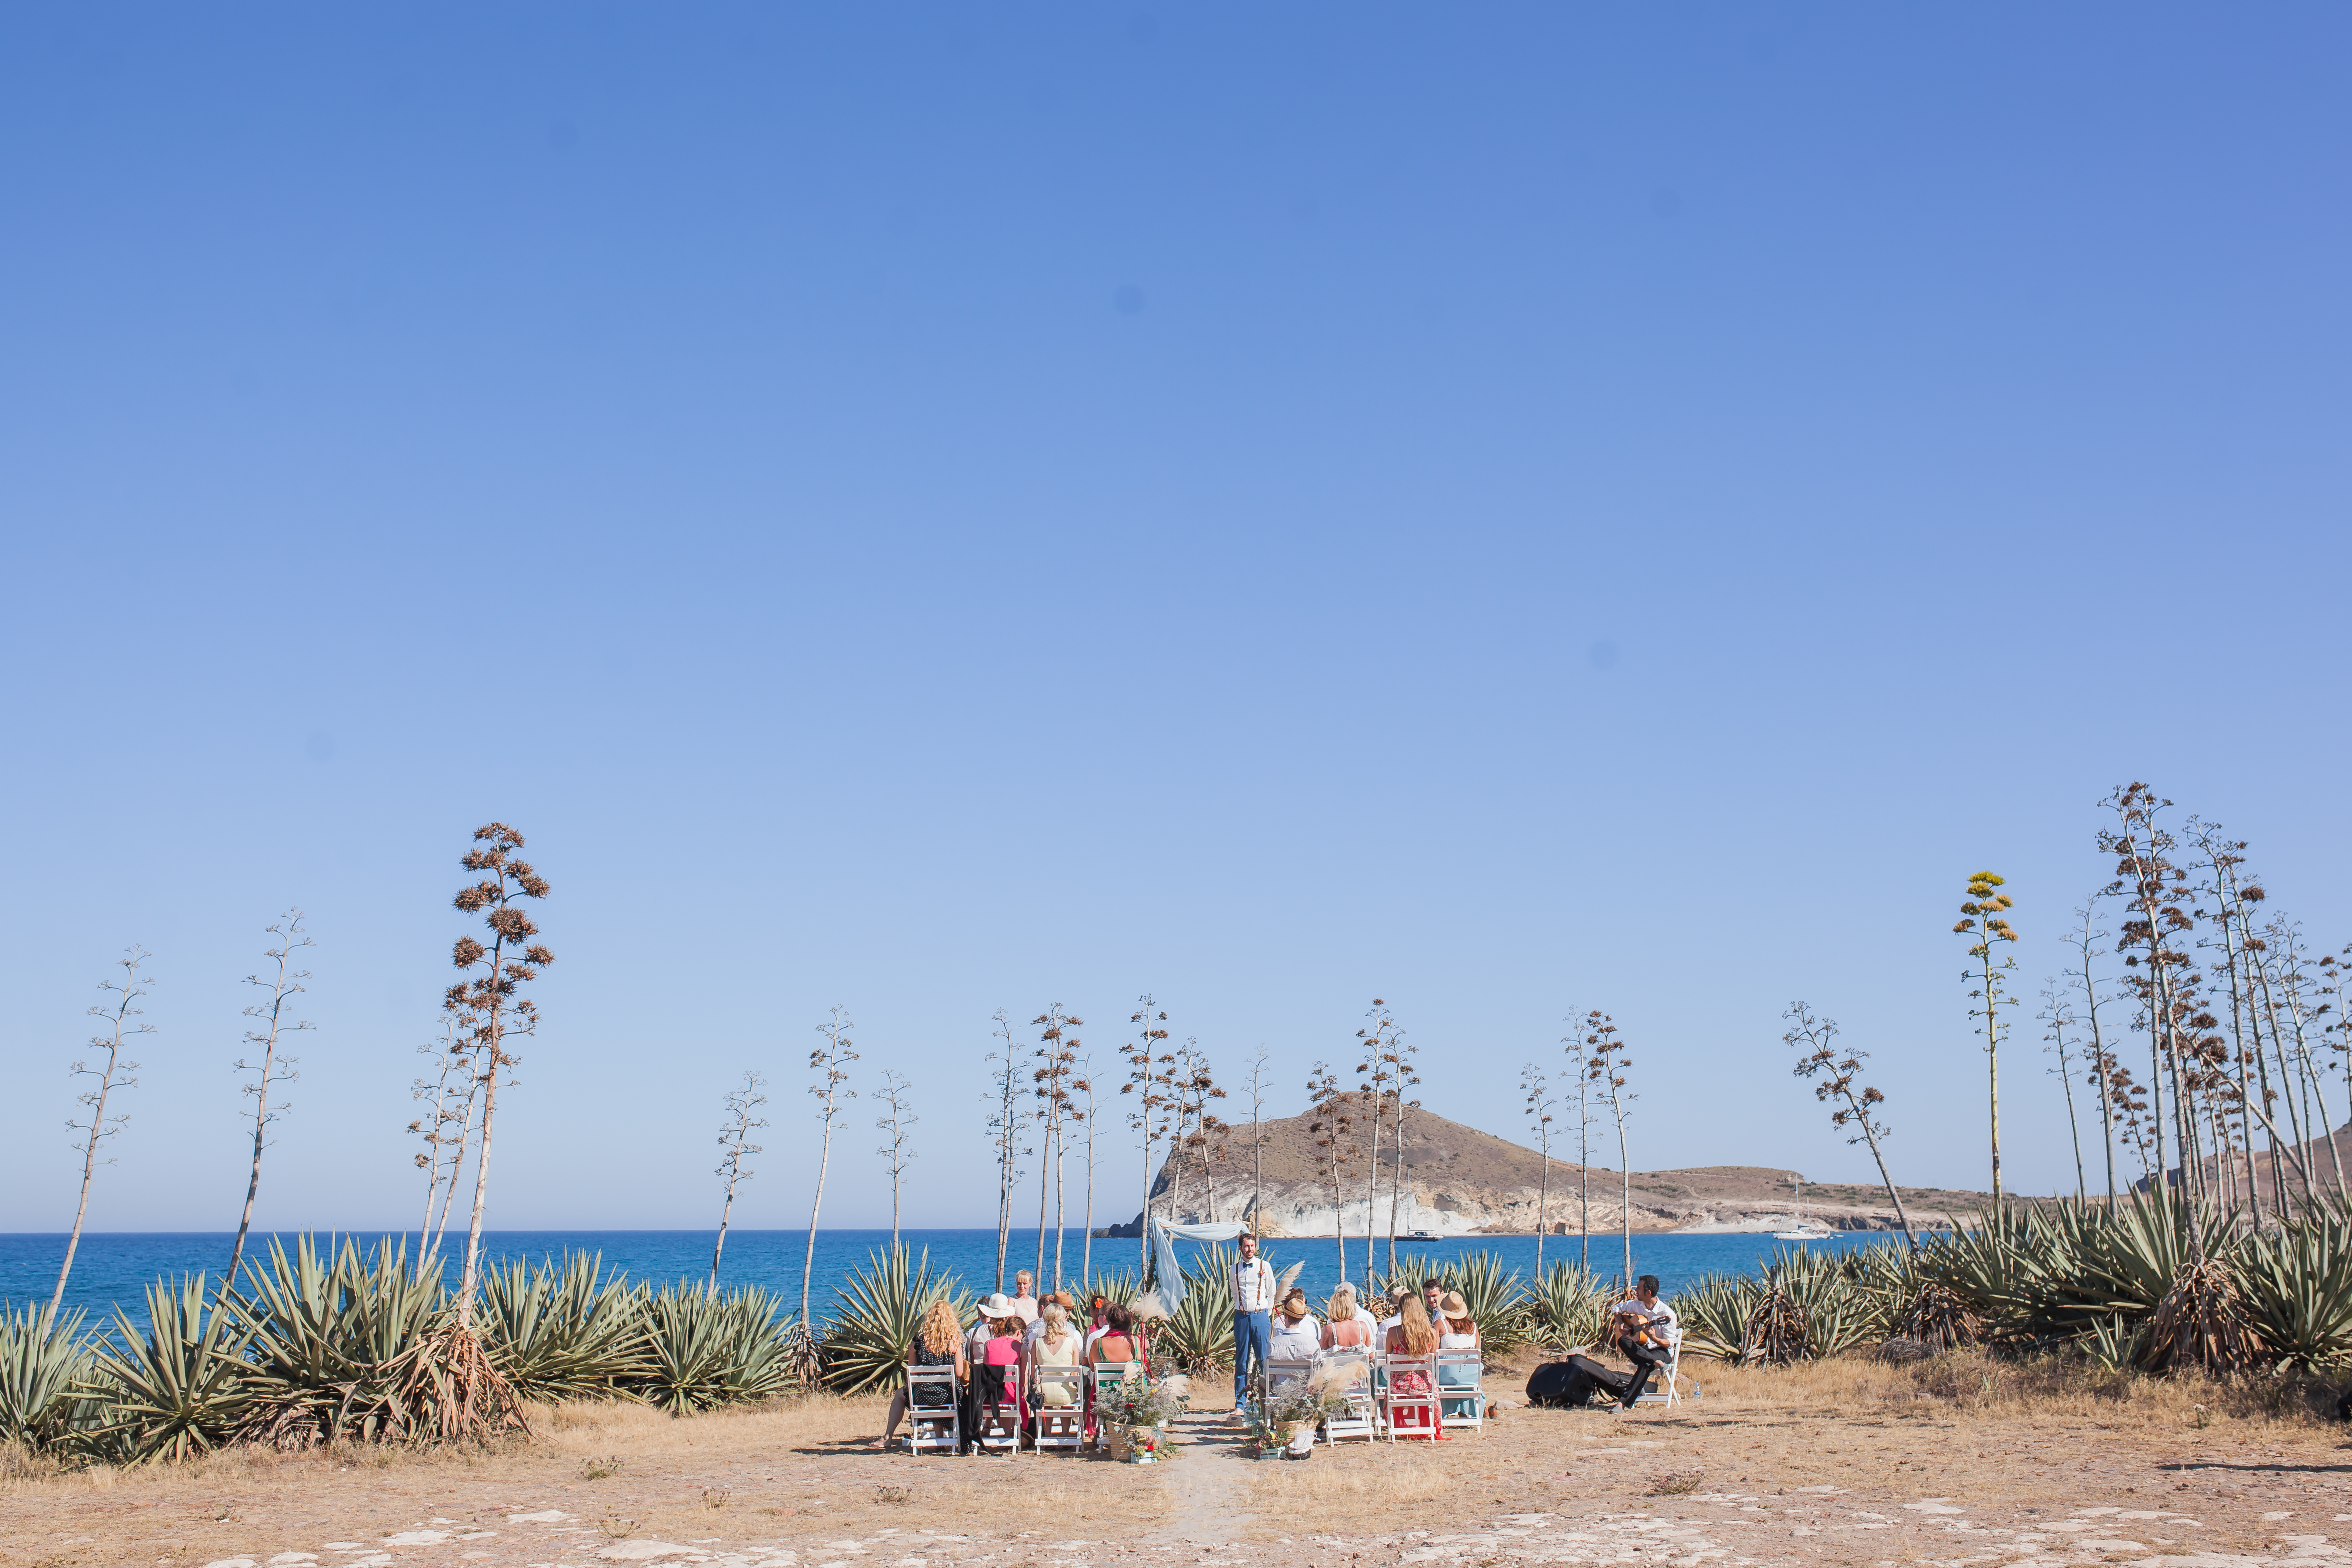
1024 1304
1252 1314
1643 1328
1297 1335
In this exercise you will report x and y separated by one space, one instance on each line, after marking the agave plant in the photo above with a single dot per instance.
703 1351
1497 1300
1712 1310
45 1362
1568 1308
2297 1287
1198 1336
362 1348
179 1388
563 1330
1117 1286
882 1306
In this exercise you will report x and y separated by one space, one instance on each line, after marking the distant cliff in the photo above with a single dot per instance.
1459 1181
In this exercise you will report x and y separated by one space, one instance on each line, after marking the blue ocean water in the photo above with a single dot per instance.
113 1268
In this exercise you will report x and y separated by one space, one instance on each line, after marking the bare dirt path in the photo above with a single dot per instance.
1208 1484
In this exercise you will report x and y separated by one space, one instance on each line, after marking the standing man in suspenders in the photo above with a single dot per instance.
1253 1315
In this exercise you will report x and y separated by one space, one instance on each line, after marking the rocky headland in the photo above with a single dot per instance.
1459 1181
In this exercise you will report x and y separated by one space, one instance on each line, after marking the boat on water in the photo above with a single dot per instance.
1804 1231
1419 1236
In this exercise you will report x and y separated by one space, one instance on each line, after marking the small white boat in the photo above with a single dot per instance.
1803 1231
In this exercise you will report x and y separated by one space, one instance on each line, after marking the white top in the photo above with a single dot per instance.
1025 1308
1254 1286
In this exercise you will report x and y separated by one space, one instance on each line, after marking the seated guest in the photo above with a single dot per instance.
1059 1297
1432 1298
1297 1336
938 1343
1097 1317
1643 1330
1347 1326
1397 1297
1119 1344
1456 1332
1001 1374
990 1308
1056 1345
1412 1336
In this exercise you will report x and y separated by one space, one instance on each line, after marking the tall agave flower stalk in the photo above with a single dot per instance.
1983 922
491 1000
113 1073
830 1063
273 1069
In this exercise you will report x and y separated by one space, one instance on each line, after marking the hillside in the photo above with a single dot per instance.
1461 1181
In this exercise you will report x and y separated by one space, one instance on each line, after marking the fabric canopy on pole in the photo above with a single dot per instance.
1170 1288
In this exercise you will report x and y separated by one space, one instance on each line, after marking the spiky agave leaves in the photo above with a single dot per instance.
1568 1308
563 1330
2297 1287
1197 1335
882 1307
177 1389
1497 1299
703 1351
1117 1286
363 1349
45 1363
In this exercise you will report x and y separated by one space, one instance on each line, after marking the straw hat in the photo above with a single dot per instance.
996 1306
1454 1306
1294 1306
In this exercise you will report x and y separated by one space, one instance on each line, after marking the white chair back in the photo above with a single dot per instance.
1460 1394
1351 1372
1411 1402
934 1408
1062 1425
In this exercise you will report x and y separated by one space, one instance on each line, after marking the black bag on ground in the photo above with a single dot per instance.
1570 1385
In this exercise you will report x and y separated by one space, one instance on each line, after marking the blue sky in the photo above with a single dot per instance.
936 509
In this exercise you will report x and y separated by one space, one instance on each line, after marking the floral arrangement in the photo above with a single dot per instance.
1272 1425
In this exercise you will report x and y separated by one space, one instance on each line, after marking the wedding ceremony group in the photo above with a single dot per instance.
1049 1373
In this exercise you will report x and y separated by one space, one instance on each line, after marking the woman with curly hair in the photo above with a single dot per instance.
939 1342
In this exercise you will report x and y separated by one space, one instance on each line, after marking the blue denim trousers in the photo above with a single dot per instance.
1251 1332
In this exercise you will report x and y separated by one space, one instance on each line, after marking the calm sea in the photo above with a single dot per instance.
113 1268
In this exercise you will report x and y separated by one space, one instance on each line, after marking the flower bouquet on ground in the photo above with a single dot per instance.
1135 1417
1284 1427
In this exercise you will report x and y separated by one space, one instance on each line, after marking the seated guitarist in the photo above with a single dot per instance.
1643 1328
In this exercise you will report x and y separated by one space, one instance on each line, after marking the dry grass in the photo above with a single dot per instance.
780 1470
2032 1436
2019 1440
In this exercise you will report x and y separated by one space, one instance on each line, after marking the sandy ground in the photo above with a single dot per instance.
1839 1464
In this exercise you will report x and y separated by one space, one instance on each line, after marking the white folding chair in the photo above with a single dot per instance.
1411 1404
1461 1394
1662 1389
1109 1375
1282 1374
997 1422
1062 1425
1351 1378
934 1408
